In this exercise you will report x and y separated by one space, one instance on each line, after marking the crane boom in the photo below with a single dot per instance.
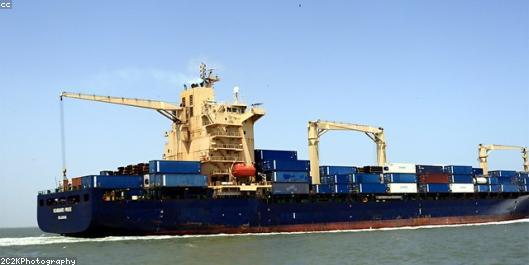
484 149
318 128
169 110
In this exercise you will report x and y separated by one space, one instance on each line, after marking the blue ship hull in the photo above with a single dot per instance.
85 213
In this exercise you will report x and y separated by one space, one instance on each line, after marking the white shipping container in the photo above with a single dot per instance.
461 188
399 168
402 187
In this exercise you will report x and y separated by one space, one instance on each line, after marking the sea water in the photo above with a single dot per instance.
494 243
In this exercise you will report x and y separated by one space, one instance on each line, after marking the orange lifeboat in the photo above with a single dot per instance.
243 170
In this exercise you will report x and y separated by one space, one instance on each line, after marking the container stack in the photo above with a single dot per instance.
508 180
174 174
461 178
432 179
287 174
370 183
400 178
481 182
485 183
335 179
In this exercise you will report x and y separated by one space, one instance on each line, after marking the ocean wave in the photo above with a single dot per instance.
49 240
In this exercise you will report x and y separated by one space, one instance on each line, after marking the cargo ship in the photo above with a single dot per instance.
211 180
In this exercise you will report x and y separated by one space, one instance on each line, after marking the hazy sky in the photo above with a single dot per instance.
439 76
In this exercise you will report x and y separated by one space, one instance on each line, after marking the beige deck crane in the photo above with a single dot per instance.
484 150
318 128
167 109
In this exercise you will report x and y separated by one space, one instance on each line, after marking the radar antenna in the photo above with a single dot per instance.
207 75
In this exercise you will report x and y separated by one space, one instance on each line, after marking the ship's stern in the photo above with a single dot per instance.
66 213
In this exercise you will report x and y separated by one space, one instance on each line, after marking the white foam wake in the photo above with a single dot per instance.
48 240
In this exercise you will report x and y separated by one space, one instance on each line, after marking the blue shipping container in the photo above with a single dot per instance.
371 188
322 188
87 181
421 169
502 173
327 179
482 188
525 188
344 178
290 188
495 188
510 188
339 178
367 178
333 170
461 179
400 178
477 171
288 176
285 165
523 174
458 170
174 167
178 180
434 188
342 188
112 182
493 180
507 180
262 155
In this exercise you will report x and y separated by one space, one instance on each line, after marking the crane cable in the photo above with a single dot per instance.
63 141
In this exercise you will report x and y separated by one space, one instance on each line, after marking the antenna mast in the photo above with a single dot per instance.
63 141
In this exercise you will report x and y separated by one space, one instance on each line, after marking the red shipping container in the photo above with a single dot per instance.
76 182
433 178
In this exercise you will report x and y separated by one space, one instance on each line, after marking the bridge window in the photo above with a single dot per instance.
41 202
